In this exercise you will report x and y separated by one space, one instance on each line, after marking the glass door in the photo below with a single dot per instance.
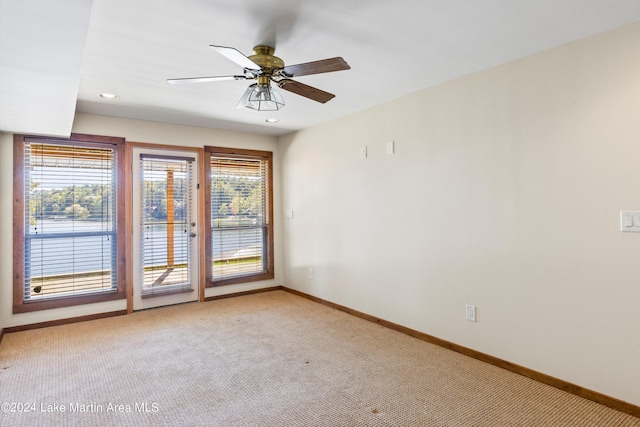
165 239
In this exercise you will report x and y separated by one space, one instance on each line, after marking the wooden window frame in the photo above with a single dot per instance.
238 153
19 304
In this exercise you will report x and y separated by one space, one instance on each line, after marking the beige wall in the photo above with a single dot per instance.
504 192
132 130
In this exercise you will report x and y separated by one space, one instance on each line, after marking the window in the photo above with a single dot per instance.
68 221
239 206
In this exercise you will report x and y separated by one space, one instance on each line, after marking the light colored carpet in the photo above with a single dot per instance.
270 359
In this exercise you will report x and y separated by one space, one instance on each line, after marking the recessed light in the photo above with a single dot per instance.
108 96
272 120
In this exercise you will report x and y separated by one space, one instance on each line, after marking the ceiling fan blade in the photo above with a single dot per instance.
316 67
236 56
305 90
204 79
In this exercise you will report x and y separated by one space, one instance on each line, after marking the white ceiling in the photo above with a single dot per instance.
57 56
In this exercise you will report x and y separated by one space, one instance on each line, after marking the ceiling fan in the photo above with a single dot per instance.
264 67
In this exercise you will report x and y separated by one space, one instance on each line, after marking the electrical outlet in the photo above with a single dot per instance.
471 313
311 273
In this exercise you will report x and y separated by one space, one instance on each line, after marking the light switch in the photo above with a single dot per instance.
289 213
630 221
390 147
363 152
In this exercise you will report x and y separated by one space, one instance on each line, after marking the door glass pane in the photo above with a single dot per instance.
166 227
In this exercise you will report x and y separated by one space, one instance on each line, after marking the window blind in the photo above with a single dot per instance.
70 228
238 217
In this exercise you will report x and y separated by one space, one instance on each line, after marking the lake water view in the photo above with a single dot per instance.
52 256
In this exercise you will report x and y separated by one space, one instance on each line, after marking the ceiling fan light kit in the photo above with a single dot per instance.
261 98
266 68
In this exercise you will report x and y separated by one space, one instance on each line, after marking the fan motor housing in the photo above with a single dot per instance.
264 58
